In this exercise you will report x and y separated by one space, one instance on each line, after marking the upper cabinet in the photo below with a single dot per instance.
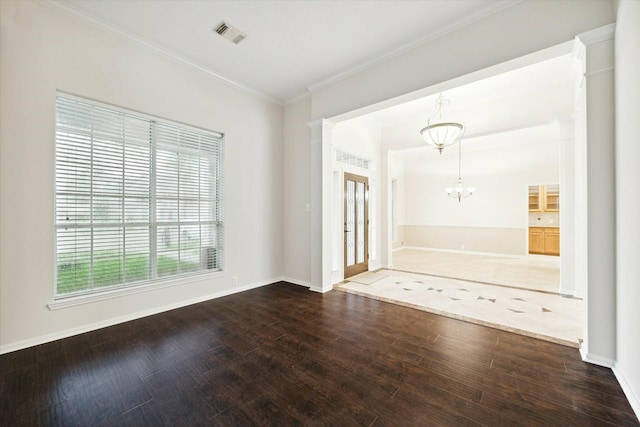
544 198
552 198
535 201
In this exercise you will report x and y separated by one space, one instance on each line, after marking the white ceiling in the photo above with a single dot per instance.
294 45
290 45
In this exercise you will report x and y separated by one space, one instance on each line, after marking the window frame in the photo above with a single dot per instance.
149 283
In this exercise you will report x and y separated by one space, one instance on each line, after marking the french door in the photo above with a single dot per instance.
356 224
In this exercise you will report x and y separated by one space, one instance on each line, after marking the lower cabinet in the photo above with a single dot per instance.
544 240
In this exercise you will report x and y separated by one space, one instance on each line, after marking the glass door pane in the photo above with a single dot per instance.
360 222
350 223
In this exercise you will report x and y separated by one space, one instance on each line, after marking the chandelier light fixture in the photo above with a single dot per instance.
439 131
459 191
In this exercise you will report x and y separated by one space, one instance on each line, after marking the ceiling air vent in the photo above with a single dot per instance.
230 33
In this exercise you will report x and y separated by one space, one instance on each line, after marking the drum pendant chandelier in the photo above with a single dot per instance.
439 131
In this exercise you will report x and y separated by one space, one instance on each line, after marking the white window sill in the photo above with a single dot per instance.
71 301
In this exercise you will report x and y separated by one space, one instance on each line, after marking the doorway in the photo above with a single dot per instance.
356 224
475 254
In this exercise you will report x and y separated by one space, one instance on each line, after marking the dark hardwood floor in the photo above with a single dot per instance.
282 355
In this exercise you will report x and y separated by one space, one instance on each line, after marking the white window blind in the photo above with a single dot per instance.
137 198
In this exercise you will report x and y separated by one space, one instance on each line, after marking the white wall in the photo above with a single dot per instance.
43 50
395 168
499 166
297 136
522 29
627 62
501 177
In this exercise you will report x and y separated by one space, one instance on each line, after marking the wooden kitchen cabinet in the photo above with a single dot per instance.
536 240
544 198
552 241
544 240
535 200
551 198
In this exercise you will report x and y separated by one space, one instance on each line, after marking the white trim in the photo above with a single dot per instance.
130 111
7 348
457 251
596 360
72 301
598 35
466 226
570 292
466 21
296 99
470 137
599 71
152 47
494 70
578 50
296 282
627 389
319 290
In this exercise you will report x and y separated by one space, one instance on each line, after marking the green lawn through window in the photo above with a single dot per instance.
108 270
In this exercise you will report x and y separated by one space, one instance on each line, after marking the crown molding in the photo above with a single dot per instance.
498 7
578 49
602 70
597 35
296 99
157 49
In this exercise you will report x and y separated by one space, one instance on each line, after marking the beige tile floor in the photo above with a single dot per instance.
513 294
538 272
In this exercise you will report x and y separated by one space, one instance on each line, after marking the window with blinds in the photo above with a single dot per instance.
137 198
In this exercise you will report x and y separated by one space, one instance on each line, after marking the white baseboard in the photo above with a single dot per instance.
457 251
596 360
629 392
19 345
318 289
570 292
296 281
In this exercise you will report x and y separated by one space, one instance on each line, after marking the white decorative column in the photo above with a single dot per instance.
565 130
321 204
600 330
580 224
385 247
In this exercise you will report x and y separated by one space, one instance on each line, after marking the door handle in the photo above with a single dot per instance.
347 231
